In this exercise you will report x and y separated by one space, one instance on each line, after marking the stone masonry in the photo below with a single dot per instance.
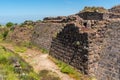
108 66
88 41
95 53
70 46
43 33
93 15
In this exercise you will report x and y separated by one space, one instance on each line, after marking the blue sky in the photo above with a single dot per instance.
20 10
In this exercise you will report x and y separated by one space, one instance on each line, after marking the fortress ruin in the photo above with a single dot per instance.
88 41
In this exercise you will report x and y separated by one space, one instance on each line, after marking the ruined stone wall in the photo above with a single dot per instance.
108 67
20 34
93 16
96 53
70 46
43 33
114 16
115 9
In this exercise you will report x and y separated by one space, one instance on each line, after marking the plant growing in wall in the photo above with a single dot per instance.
76 43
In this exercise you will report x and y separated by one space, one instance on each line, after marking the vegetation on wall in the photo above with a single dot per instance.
94 9
67 69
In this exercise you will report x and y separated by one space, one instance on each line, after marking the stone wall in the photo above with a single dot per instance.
115 9
70 46
108 67
20 34
43 33
114 16
95 53
93 15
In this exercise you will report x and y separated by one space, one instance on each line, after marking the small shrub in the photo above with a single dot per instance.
5 34
3 59
9 24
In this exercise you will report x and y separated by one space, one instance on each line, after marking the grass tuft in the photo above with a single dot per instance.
7 68
20 49
67 69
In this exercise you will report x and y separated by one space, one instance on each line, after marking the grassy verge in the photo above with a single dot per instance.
20 49
43 50
11 72
67 69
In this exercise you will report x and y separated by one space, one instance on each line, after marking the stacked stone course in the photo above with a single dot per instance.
70 47
43 33
93 15
90 52
88 41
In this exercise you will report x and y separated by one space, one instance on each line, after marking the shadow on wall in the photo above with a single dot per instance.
71 46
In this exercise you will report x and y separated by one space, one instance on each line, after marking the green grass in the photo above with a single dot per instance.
43 50
1 37
27 44
6 64
67 69
20 49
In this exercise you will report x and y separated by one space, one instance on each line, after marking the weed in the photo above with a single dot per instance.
20 49
7 59
65 68
43 50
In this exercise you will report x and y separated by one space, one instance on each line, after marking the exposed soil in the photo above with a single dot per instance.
39 61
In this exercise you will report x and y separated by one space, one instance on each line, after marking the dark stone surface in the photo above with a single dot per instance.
96 53
70 47
109 64
43 33
93 15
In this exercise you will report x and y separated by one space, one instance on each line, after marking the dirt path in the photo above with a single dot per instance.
39 61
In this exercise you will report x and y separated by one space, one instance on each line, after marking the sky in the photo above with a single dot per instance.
18 11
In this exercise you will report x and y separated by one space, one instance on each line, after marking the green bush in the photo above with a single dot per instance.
9 24
5 34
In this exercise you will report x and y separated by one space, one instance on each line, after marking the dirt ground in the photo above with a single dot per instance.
39 61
